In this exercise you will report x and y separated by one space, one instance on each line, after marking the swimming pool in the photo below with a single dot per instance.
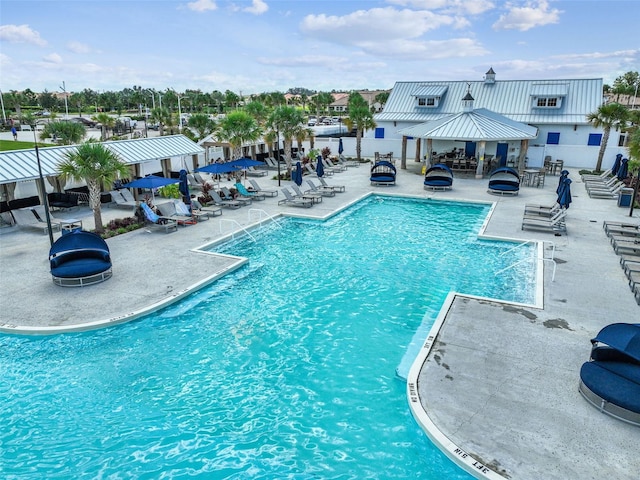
282 369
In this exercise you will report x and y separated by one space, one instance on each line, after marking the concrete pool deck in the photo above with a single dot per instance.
499 384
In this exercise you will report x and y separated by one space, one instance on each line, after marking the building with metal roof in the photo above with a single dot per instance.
145 155
502 114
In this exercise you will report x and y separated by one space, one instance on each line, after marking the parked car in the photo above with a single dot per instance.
85 121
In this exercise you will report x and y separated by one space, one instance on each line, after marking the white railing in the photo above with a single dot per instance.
233 233
261 213
552 259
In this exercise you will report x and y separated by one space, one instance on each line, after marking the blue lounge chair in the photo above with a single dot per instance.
246 193
157 220
504 181
610 380
438 177
78 259
383 173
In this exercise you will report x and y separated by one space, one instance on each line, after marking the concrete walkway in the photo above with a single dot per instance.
500 384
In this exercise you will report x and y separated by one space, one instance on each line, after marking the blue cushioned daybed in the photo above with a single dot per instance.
504 181
383 173
79 259
610 380
438 177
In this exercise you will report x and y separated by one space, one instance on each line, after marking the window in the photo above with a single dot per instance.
594 139
427 101
553 138
379 132
622 140
547 102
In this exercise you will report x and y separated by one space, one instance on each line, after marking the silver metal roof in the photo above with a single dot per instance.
430 91
20 165
476 125
511 98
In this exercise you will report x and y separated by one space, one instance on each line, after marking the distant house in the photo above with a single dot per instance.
513 122
341 101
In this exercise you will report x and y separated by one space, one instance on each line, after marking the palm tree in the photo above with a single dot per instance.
611 115
286 120
162 117
237 128
106 121
68 133
360 118
202 124
96 165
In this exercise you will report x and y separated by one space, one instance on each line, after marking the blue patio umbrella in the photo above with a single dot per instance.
623 171
340 147
217 168
616 164
245 163
564 198
151 182
319 167
563 174
184 187
296 174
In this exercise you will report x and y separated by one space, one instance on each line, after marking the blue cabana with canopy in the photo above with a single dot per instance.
438 177
610 380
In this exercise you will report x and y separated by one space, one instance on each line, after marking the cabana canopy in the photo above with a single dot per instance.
475 125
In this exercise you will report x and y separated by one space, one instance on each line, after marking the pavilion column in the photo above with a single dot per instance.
480 168
9 190
166 167
194 161
524 147
429 161
418 149
403 157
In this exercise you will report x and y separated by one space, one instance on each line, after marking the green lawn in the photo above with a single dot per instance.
13 145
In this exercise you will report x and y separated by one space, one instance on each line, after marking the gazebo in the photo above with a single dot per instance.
471 125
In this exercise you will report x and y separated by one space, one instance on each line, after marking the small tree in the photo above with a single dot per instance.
69 133
96 165
237 128
611 115
287 121
360 118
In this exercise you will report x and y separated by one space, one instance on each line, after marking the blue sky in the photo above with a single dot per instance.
272 45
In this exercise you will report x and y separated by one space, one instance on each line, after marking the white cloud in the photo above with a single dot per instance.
461 7
77 47
202 5
258 7
52 58
412 50
21 34
376 25
534 14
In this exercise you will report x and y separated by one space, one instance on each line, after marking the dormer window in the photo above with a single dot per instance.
428 101
548 102
429 96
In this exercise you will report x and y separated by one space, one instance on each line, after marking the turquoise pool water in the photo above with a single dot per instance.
283 369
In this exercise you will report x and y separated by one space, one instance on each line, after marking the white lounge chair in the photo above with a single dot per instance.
26 217
223 203
556 223
314 197
168 210
324 191
336 188
118 197
153 219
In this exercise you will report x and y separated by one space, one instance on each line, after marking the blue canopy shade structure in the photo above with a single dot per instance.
616 164
610 380
296 174
184 187
151 181
319 167
504 181
623 171
216 168
564 196
438 177
78 259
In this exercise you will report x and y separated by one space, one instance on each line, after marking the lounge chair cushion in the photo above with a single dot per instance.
80 263
605 380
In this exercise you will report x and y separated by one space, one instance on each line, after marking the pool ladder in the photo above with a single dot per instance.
552 259
261 213
235 223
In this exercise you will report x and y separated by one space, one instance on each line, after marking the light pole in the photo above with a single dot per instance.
66 106
45 201
4 116
179 115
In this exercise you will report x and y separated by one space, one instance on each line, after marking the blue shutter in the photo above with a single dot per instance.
553 138
379 132
594 139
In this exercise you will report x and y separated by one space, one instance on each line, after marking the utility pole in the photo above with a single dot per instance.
66 106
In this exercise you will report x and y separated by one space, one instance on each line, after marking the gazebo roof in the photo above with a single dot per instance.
475 125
